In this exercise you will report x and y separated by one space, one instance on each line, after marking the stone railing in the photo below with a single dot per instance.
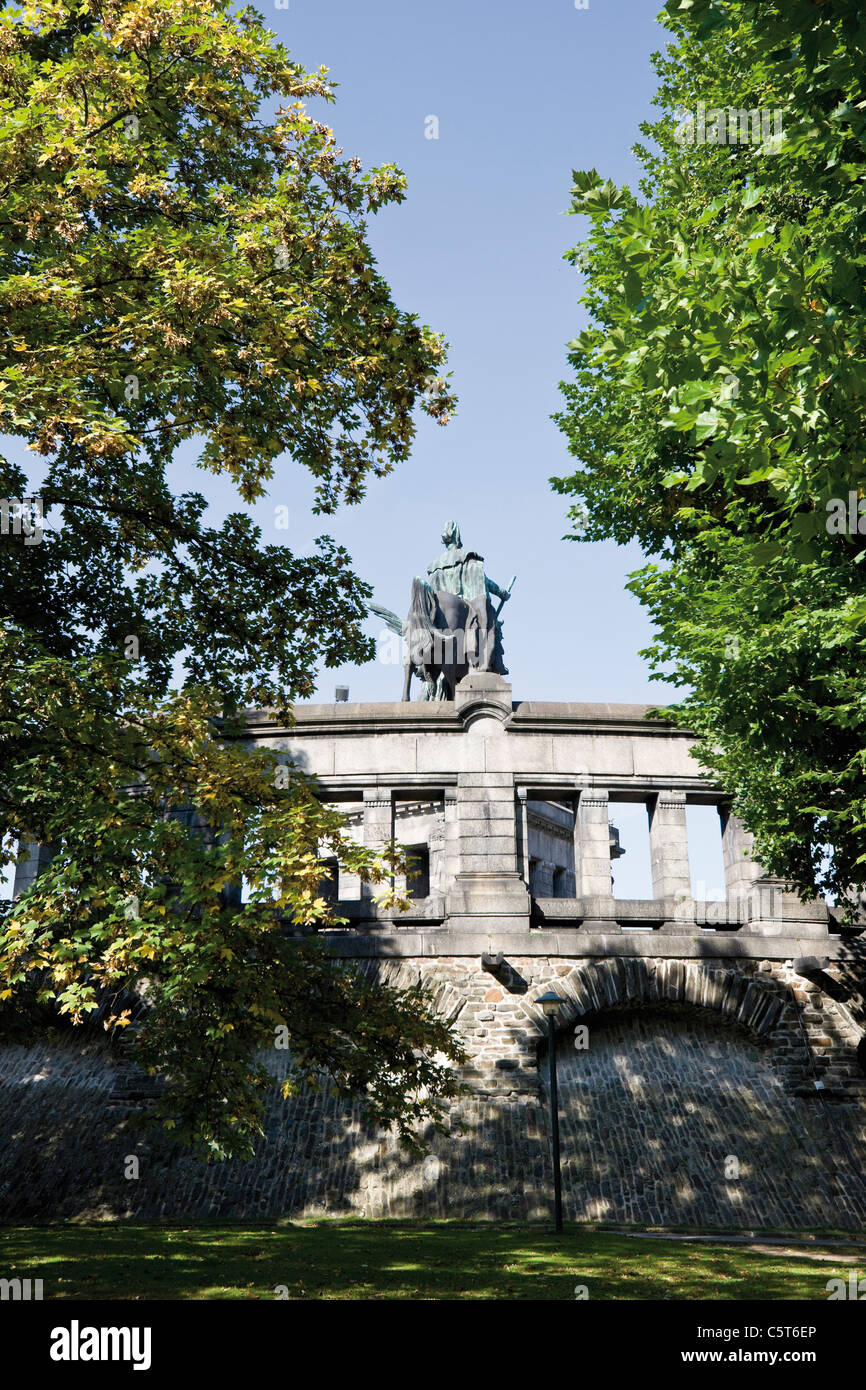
510 804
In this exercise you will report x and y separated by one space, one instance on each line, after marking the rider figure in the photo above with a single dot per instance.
459 571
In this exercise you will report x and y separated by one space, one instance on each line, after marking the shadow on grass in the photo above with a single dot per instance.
393 1260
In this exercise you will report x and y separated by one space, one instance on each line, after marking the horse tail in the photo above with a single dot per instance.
421 623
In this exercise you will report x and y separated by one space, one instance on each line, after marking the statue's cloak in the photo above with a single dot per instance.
458 571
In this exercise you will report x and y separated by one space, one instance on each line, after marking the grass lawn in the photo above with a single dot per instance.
397 1259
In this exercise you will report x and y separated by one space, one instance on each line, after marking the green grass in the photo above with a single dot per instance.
396 1260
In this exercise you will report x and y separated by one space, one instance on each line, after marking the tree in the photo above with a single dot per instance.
717 410
183 258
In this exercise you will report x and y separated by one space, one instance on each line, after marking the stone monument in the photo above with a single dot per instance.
452 627
708 1049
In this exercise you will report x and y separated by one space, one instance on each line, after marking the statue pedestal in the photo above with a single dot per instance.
483 695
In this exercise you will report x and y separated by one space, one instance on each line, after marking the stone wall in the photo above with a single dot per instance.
688 1065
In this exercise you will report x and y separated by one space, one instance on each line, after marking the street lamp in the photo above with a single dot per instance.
550 1005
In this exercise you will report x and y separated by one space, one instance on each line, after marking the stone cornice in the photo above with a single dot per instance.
550 827
443 717
412 942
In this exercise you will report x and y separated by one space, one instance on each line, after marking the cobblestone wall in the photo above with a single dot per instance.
670 1117
688 1065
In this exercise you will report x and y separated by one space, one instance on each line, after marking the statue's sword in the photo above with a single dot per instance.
508 591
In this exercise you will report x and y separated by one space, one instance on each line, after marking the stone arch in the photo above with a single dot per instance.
677 1114
756 1002
449 999
775 1006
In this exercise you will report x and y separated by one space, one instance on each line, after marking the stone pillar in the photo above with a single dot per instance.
523 829
348 886
486 817
741 870
543 879
378 826
755 899
669 846
437 854
592 844
27 870
451 838
488 892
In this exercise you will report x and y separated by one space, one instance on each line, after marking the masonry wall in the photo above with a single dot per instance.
718 1086
688 1065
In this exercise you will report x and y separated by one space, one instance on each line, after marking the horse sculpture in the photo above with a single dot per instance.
445 637
452 627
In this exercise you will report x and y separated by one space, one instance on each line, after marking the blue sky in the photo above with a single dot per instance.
523 94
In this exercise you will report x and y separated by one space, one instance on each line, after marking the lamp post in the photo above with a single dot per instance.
550 1004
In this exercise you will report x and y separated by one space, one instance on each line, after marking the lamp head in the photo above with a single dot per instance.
550 1004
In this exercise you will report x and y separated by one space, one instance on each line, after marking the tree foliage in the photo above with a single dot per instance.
716 409
184 262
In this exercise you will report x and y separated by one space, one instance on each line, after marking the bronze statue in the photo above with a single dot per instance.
452 626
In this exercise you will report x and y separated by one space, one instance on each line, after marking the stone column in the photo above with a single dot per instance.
592 844
523 828
28 870
741 870
488 892
348 886
378 826
437 854
760 902
451 837
543 879
669 846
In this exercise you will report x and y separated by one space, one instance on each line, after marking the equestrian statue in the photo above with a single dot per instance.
452 627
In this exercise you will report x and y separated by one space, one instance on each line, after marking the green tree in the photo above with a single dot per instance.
716 409
184 261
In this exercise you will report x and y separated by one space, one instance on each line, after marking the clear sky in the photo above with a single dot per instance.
523 93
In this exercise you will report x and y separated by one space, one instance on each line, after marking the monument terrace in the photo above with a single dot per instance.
707 1051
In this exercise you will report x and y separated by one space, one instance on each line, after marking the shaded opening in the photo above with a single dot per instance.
550 823
328 881
418 877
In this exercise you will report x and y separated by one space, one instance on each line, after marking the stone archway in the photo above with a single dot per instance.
756 1001
680 1108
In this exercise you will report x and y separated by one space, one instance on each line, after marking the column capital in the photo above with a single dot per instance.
670 798
378 796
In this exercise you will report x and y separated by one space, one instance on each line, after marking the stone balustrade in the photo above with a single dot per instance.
519 800
510 804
